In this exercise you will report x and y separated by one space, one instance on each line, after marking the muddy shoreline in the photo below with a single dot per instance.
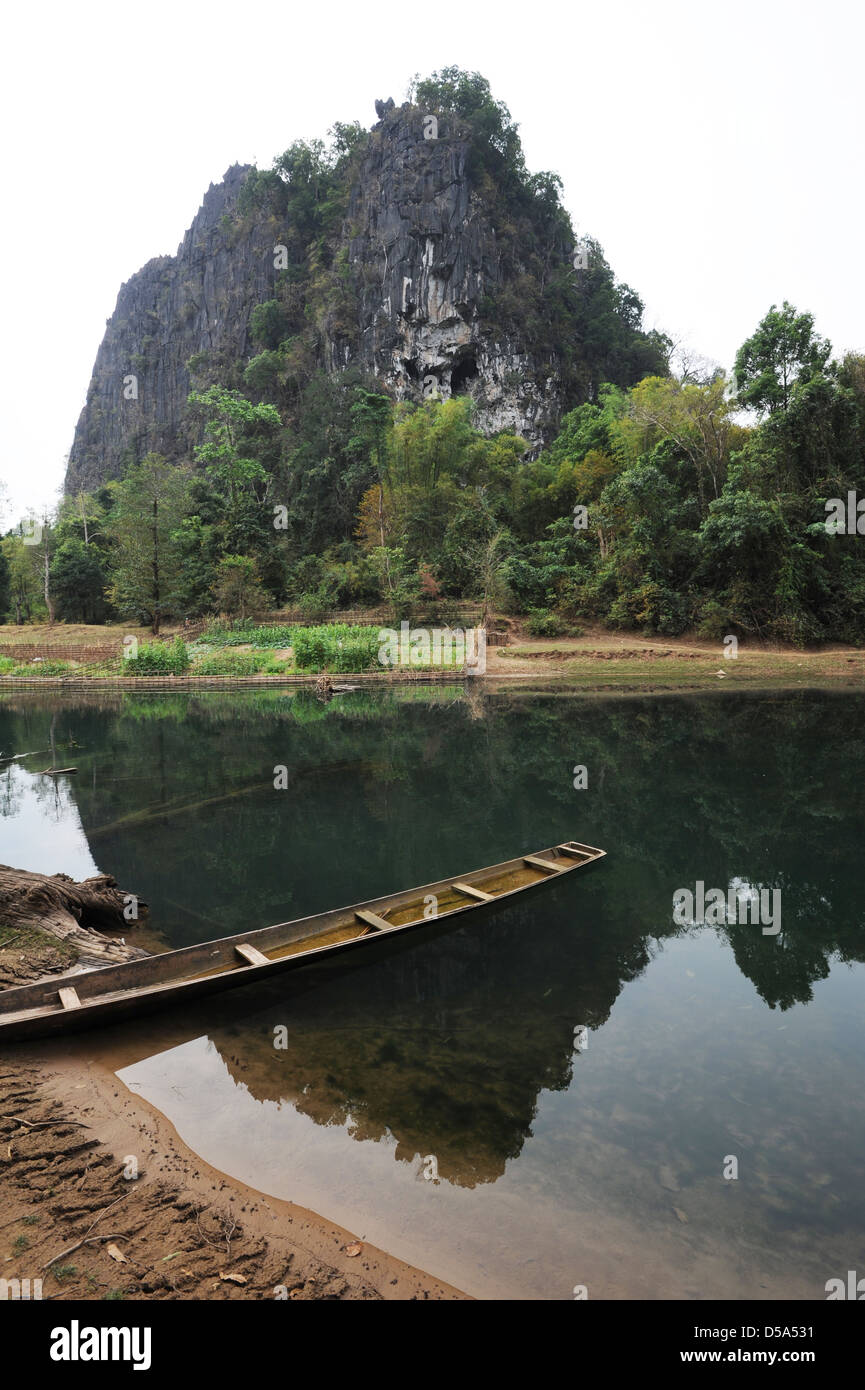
71 1135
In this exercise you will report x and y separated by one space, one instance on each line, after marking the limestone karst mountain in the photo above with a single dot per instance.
420 253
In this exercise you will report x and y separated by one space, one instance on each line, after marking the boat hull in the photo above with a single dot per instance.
134 988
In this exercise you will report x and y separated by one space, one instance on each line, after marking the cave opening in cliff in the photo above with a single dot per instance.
410 368
464 373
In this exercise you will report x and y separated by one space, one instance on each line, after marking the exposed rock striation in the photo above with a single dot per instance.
403 286
173 309
424 256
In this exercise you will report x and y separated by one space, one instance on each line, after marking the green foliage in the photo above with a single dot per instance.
249 634
237 588
238 437
783 352
654 508
78 581
10 667
5 585
149 506
541 623
336 647
495 137
229 663
158 659
268 324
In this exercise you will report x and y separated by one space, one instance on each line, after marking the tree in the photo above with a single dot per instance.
268 324
24 577
398 578
496 141
78 582
696 419
5 585
783 352
488 562
238 591
236 431
150 504
38 541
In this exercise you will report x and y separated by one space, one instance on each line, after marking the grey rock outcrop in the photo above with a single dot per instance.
422 257
173 309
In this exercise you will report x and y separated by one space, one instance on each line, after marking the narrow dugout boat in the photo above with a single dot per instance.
86 998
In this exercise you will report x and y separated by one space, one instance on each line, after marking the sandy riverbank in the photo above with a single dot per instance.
601 661
180 1230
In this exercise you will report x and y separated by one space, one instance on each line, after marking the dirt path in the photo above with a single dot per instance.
70 1131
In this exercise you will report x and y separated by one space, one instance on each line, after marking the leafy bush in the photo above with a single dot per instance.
158 659
313 607
541 623
335 647
10 667
43 668
229 663
652 607
716 621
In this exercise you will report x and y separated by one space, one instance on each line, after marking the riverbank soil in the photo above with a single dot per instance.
73 1215
601 660
596 660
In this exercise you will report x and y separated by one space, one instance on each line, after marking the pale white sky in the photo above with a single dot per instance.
715 150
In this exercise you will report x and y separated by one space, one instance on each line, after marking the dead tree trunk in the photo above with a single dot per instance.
75 913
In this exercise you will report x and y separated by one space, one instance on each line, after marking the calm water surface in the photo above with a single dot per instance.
544 1099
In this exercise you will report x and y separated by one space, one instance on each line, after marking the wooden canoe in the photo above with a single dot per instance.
86 998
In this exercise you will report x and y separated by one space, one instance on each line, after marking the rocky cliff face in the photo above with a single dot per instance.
424 256
175 307
421 256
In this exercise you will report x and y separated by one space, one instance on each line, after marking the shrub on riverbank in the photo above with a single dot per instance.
231 663
241 634
158 659
335 647
10 667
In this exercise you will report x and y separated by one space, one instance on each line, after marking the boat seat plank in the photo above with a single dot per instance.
471 892
69 998
251 955
574 853
537 863
371 919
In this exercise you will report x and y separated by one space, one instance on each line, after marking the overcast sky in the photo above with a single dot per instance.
715 150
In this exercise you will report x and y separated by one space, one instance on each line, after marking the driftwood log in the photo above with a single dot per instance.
76 914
